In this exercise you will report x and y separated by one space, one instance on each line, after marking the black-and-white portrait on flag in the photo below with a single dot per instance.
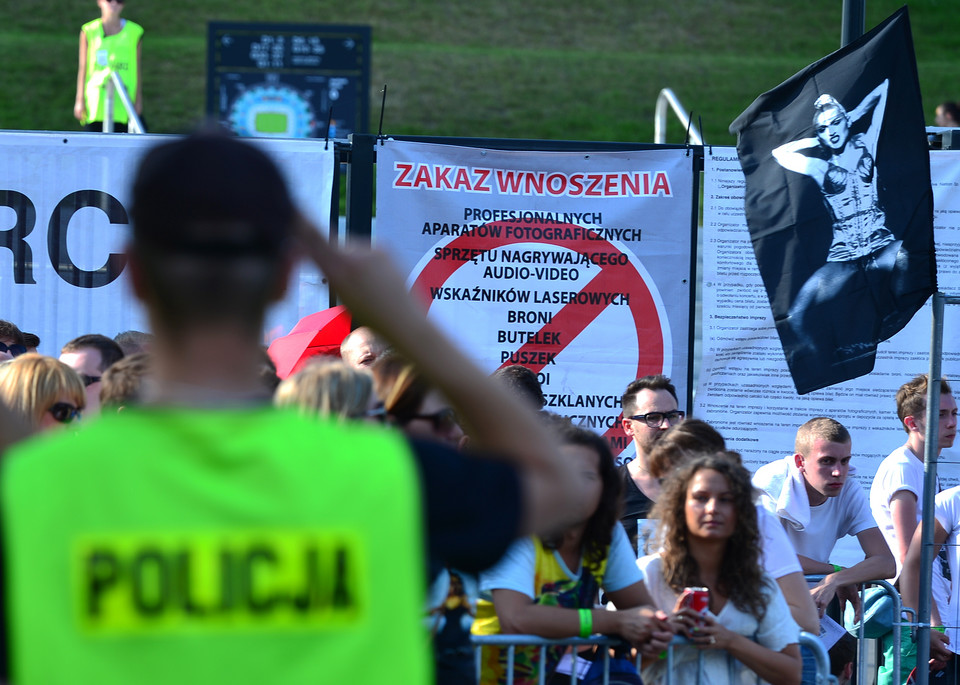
839 205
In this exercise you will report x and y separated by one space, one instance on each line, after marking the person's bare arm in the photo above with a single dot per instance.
802 608
79 103
875 103
910 586
519 615
903 513
877 563
376 294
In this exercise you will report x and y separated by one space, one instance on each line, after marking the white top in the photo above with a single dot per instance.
777 555
775 631
947 512
903 471
515 571
813 530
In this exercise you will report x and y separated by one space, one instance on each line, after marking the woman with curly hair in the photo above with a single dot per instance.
549 586
708 525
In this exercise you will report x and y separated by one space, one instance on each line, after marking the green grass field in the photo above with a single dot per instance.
547 70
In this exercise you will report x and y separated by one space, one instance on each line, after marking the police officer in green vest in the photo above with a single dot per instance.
207 537
109 43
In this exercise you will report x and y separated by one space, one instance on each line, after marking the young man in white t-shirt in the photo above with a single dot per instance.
896 498
818 504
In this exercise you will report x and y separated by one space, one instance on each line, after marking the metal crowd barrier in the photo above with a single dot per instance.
512 641
898 625
114 86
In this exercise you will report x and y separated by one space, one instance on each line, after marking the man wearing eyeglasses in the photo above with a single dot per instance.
90 355
649 408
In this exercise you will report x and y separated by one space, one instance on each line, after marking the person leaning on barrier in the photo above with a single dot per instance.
548 585
818 504
245 544
896 500
693 438
708 526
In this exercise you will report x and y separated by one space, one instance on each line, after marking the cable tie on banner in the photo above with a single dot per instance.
383 106
703 138
326 144
686 138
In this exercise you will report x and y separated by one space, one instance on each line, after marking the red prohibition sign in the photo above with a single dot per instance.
574 317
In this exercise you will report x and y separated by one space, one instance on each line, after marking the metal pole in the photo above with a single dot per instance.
854 21
931 450
108 108
134 125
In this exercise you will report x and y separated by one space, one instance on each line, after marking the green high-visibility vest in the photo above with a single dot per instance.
117 52
253 546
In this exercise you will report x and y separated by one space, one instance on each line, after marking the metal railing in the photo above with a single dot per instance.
667 98
114 86
511 642
898 611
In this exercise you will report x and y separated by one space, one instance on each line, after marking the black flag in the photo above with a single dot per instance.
839 203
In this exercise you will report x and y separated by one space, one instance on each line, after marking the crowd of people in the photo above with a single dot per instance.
172 511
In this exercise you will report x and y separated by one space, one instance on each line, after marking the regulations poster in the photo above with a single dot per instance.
576 265
745 389
64 201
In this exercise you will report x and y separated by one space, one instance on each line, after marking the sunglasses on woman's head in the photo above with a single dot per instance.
15 350
62 412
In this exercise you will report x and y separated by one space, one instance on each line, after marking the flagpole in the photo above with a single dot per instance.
854 21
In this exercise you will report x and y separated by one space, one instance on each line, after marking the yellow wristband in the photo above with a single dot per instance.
586 623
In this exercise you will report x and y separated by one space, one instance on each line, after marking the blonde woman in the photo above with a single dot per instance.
330 388
44 392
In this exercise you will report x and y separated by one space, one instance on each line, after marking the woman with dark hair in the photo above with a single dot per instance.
550 586
708 525
411 404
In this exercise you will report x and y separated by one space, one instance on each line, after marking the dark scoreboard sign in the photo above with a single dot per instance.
281 80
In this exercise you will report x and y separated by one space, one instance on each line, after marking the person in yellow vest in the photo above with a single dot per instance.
108 43
206 537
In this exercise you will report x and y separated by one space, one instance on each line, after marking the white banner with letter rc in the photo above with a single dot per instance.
63 223
573 264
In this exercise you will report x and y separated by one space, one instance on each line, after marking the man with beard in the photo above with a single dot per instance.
649 409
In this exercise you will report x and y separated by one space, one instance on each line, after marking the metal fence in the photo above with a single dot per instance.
511 642
864 643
